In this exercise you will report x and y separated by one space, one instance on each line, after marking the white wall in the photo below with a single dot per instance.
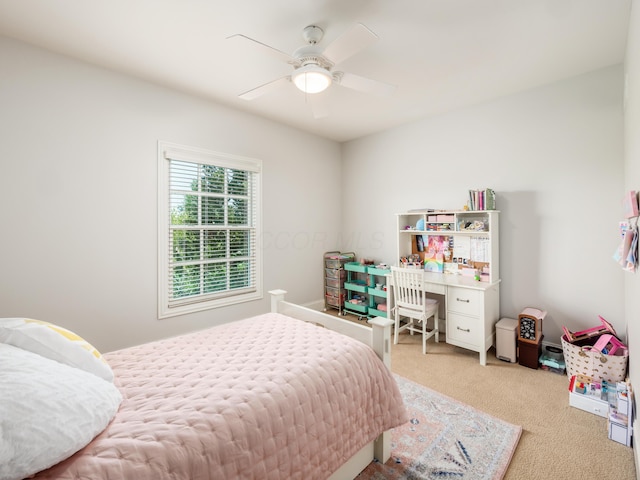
554 155
632 182
78 186
79 196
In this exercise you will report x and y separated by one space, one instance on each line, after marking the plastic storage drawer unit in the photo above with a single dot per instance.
506 339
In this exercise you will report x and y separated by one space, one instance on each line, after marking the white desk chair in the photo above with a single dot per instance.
410 301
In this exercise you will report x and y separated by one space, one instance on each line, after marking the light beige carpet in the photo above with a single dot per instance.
558 441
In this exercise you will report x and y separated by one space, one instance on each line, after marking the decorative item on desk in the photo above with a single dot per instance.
475 226
468 272
411 261
434 253
451 268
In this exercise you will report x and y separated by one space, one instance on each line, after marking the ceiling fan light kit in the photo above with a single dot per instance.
311 79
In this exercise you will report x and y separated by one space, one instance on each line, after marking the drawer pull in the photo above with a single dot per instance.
464 329
462 300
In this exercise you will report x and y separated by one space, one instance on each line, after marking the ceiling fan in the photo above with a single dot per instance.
313 67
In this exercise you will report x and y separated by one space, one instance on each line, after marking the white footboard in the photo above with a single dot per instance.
378 337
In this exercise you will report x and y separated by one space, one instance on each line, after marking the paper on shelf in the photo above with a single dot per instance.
461 247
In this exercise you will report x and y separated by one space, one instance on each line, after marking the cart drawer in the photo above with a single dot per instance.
334 282
334 273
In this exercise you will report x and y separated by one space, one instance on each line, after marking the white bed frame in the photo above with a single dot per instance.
378 337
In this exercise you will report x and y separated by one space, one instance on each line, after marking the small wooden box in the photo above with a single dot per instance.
529 353
530 325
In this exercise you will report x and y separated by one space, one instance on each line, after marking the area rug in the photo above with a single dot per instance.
445 439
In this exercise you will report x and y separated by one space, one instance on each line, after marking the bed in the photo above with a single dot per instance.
290 394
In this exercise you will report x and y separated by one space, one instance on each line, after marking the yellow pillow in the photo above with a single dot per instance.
54 342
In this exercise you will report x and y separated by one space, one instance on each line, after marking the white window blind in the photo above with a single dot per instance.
208 229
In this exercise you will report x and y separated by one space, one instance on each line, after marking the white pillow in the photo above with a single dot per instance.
54 342
49 411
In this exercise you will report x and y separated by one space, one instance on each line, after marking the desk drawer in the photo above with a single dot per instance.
463 329
434 288
464 300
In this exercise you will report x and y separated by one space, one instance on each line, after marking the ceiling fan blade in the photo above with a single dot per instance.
263 89
318 104
349 43
274 52
362 84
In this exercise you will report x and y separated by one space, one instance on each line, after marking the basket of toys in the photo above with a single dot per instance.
596 353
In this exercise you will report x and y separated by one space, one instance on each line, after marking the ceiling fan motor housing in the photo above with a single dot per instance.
310 55
312 34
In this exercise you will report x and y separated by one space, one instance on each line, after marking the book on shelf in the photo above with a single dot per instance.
482 199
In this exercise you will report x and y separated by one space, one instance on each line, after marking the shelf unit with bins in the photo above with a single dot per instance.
483 243
377 290
472 305
334 278
356 287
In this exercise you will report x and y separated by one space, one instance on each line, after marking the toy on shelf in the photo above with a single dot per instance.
609 345
589 333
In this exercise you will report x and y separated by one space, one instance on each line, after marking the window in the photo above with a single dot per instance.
208 229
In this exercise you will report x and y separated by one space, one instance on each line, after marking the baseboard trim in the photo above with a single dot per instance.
315 305
550 344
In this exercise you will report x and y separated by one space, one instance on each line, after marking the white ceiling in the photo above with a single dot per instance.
441 54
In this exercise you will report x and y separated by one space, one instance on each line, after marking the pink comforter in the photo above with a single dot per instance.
269 397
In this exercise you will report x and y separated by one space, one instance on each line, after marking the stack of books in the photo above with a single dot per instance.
482 199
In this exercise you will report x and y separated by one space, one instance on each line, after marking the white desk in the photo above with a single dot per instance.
472 308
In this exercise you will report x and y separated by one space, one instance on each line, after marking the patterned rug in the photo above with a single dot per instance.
445 439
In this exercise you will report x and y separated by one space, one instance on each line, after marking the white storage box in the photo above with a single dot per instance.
589 404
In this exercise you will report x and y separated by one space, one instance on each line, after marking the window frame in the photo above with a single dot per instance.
167 152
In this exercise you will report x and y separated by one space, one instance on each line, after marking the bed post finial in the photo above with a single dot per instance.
276 297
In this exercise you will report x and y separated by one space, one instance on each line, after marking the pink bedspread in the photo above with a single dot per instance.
269 397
